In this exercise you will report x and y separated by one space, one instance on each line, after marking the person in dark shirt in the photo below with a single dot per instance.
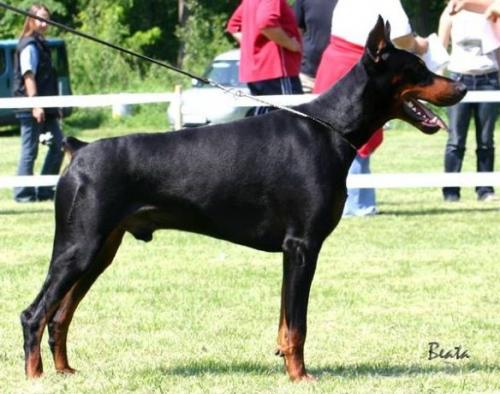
34 75
314 18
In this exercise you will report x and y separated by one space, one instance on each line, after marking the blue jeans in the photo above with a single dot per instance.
30 133
485 115
360 202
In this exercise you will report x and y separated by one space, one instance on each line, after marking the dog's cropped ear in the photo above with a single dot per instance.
378 39
387 31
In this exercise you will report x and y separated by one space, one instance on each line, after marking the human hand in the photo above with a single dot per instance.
470 5
294 45
421 45
455 6
39 115
493 11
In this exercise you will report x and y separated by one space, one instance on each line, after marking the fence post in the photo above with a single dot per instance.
178 107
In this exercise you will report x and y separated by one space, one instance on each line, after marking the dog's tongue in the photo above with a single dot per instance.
432 118
436 121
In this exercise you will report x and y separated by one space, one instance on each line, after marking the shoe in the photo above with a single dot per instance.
23 200
487 197
48 197
452 198
368 211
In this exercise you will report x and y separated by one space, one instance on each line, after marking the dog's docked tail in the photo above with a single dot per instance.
72 144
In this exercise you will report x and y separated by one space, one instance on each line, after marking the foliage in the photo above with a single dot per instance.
11 23
94 69
424 14
153 27
203 36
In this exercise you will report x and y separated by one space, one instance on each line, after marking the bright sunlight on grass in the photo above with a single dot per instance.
189 314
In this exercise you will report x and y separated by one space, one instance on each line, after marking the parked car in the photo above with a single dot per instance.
204 104
59 61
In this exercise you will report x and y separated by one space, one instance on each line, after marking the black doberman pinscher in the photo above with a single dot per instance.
275 182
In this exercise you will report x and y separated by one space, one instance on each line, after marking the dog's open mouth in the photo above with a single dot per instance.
422 117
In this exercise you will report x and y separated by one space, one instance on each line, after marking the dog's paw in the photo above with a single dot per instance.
279 352
308 378
67 371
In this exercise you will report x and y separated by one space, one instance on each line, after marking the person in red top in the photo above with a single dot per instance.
271 47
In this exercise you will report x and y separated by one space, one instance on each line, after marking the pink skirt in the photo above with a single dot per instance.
338 59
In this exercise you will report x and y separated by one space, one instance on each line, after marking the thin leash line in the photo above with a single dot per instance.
233 92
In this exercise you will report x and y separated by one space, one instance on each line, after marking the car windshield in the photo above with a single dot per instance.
225 72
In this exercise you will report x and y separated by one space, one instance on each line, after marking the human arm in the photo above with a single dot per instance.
469 5
444 29
416 44
493 11
31 91
234 24
29 64
280 37
269 22
401 32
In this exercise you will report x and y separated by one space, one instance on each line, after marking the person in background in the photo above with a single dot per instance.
351 24
493 11
478 71
479 6
35 76
271 48
314 18
490 8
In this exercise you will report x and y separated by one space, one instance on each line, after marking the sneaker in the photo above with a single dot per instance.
452 198
25 199
487 197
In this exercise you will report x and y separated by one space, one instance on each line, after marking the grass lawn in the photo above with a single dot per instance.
189 314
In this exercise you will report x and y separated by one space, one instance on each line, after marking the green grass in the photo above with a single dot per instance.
189 314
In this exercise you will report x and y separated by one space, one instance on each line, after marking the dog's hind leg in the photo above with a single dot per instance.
71 266
59 323
299 265
60 279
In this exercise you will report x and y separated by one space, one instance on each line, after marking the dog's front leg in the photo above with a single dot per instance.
299 264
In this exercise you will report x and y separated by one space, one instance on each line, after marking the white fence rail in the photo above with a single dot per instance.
405 180
103 100
379 181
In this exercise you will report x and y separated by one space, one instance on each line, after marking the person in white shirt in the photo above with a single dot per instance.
491 8
352 21
471 64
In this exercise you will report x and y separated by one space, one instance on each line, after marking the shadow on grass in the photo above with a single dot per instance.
348 371
196 368
395 370
25 211
85 119
9 131
437 211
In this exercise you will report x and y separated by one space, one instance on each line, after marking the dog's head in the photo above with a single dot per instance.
407 80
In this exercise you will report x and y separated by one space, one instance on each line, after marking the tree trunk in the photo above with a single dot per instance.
181 20
424 18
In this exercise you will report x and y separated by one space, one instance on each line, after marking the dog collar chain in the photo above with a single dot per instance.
238 94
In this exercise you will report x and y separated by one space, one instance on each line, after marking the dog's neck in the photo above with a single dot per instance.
352 107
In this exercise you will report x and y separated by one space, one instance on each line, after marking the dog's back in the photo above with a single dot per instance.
256 169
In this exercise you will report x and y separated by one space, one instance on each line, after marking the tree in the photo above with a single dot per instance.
424 14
